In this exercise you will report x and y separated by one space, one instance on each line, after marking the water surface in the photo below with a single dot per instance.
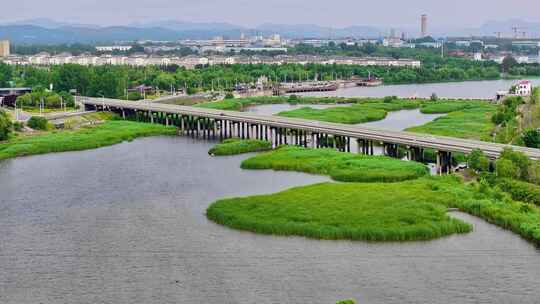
468 89
126 224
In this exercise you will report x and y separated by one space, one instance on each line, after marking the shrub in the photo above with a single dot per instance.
531 138
505 168
5 125
478 161
521 191
520 160
37 123
229 95
534 172
18 126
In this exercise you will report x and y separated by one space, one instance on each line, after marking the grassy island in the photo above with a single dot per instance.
108 133
471 121
339 166
354 114
238 146
403 211
372 212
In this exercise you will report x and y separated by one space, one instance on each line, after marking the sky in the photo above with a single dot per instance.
335 13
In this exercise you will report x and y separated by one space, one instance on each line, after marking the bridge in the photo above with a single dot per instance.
211 123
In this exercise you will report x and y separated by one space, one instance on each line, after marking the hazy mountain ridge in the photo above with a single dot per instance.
46 31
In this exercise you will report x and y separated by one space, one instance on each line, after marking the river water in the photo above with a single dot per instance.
126 224
469 89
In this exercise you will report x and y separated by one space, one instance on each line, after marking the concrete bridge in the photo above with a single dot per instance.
210 123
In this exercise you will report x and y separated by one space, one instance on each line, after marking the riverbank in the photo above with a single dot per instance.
108 133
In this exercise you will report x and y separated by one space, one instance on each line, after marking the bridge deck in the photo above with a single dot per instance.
442 143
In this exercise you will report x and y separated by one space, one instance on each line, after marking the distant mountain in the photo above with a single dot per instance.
49 23
46 31
30 34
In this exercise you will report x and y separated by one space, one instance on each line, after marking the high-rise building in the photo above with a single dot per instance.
4 48
424 29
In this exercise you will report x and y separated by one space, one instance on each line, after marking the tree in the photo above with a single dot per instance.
478 161
5 75
71 76
433 97
531 138
504 168
519 160
5 125
508 63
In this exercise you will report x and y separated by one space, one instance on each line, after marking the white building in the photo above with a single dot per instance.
110 48
524 88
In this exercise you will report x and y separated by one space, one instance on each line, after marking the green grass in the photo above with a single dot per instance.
404 211
354 114
372 212
470 122
339 166
106 134
238 146
441 107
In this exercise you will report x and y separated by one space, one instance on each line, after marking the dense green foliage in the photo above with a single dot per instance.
520 191
531 138
108 133
472 122
373 212
478 161
235 146
338 165
5 125
112 81
38 123
47 99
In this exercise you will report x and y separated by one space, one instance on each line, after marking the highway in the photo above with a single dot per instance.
439 143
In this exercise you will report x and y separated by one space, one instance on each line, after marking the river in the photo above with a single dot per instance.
126 224
468 89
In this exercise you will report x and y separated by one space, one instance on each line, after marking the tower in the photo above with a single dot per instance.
424 25
4 48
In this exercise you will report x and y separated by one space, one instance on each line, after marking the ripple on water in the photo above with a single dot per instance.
126 224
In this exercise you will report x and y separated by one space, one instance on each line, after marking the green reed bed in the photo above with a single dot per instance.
406 211
470 122
403 211
354 114
339 166
239 146
105 134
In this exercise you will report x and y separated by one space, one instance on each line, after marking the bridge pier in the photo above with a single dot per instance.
444 162
415 154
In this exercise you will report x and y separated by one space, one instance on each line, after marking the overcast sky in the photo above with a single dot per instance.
337 13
